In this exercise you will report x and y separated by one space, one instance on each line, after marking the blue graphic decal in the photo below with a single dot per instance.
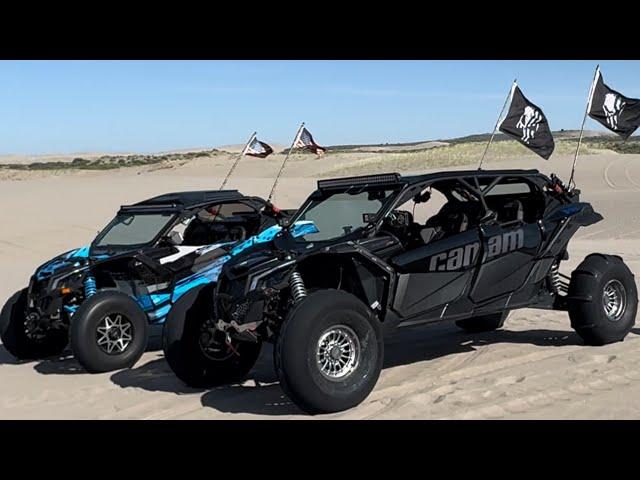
204 276
571 209
73 258
211 272
71 309
82 252
157 305
298 229
61 261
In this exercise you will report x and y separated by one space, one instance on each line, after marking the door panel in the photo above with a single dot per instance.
507 259
421 292
436 274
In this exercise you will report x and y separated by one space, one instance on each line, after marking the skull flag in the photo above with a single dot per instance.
618 113
526 123
258 149
305 140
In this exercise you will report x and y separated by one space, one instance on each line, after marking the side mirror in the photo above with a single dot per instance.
422 197
283 221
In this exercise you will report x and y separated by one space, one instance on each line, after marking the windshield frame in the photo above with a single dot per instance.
172 219
254 203
322 195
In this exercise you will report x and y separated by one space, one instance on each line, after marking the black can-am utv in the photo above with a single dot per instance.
391 250
106 297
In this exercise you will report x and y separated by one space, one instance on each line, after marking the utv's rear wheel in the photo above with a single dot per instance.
108 332
26 340
200 354
484 323
329 352
602 299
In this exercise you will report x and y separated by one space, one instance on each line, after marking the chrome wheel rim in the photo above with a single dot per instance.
338 352
114 334
614 300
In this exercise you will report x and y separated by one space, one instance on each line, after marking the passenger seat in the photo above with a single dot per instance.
511 211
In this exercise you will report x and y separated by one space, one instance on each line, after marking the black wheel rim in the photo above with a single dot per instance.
213 343
33 330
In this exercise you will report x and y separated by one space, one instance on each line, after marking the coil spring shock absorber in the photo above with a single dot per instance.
298 290
554 277
90 287
559 282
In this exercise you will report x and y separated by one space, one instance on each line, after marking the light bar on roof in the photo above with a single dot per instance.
149 208
382 179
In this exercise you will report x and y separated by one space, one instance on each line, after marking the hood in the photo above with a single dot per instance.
269 236
213 258
66 262
269 247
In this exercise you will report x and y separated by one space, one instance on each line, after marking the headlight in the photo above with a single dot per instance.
68 278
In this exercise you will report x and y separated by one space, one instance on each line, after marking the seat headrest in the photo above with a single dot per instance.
512 210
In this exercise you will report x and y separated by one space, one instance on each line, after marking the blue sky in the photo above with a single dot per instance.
148 106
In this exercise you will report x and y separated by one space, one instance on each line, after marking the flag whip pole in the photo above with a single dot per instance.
493 134
584 119
235 164
275 183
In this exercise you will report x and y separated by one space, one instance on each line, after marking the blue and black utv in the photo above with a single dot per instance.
106 298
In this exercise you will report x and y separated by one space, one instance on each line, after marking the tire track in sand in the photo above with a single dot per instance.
623 179
605 175
599 373
629 177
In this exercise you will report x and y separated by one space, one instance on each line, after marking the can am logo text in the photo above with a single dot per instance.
464 256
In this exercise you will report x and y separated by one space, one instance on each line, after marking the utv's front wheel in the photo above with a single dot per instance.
329 352
484 323
26 340
602 299
108 332
200 354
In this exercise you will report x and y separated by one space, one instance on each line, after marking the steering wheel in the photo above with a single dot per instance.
238 233
398 219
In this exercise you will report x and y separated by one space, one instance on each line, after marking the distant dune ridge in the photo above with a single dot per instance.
237 148
135 158
339 159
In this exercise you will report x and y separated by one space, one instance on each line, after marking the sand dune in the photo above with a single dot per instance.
536 367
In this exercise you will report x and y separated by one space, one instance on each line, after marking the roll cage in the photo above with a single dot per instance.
477 183
179 211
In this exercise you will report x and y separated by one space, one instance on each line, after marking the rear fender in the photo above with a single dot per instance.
581 214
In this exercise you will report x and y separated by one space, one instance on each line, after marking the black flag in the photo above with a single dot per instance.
526 123
258 149
618 113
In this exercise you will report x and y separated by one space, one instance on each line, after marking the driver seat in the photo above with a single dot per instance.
454 217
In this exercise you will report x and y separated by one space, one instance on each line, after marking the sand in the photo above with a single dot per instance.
535 367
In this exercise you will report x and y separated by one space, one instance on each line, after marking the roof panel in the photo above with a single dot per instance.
178 200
